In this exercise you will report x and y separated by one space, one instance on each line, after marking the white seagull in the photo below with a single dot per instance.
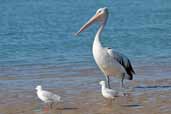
47 97
110 62
108 93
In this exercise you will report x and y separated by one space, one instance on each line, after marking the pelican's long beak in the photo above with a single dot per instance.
91 21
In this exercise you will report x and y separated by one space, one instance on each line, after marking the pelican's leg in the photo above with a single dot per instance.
122 81
108 81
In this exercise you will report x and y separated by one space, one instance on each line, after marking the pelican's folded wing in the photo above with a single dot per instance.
123 60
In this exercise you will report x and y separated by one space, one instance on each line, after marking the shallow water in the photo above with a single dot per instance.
38 46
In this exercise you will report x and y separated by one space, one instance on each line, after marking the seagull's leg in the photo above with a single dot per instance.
51 105
46 107
108 81
56 104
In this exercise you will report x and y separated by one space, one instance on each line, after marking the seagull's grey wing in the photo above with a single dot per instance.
51 96
56 98
112 92
124 61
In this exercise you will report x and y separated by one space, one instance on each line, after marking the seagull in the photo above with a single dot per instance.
47 97
110 62
108 93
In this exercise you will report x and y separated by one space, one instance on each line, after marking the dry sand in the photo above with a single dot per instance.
153 97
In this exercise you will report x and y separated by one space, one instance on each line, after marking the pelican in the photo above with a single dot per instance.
110 62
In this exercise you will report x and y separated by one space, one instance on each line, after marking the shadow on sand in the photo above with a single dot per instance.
132 105
154 87
67 108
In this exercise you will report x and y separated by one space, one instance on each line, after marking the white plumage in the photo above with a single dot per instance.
46 96
110 62
108 93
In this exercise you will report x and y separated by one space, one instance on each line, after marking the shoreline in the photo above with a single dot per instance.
147 97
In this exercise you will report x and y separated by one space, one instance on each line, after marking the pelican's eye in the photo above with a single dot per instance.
100 11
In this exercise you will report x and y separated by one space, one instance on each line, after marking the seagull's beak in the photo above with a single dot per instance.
91 21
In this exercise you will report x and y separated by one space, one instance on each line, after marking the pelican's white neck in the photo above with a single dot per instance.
98 34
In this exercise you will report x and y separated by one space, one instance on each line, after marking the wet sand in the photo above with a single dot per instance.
147 97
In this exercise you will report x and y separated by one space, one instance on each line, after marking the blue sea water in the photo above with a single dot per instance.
37 38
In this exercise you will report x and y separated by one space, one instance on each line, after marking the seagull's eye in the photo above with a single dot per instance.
100 11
